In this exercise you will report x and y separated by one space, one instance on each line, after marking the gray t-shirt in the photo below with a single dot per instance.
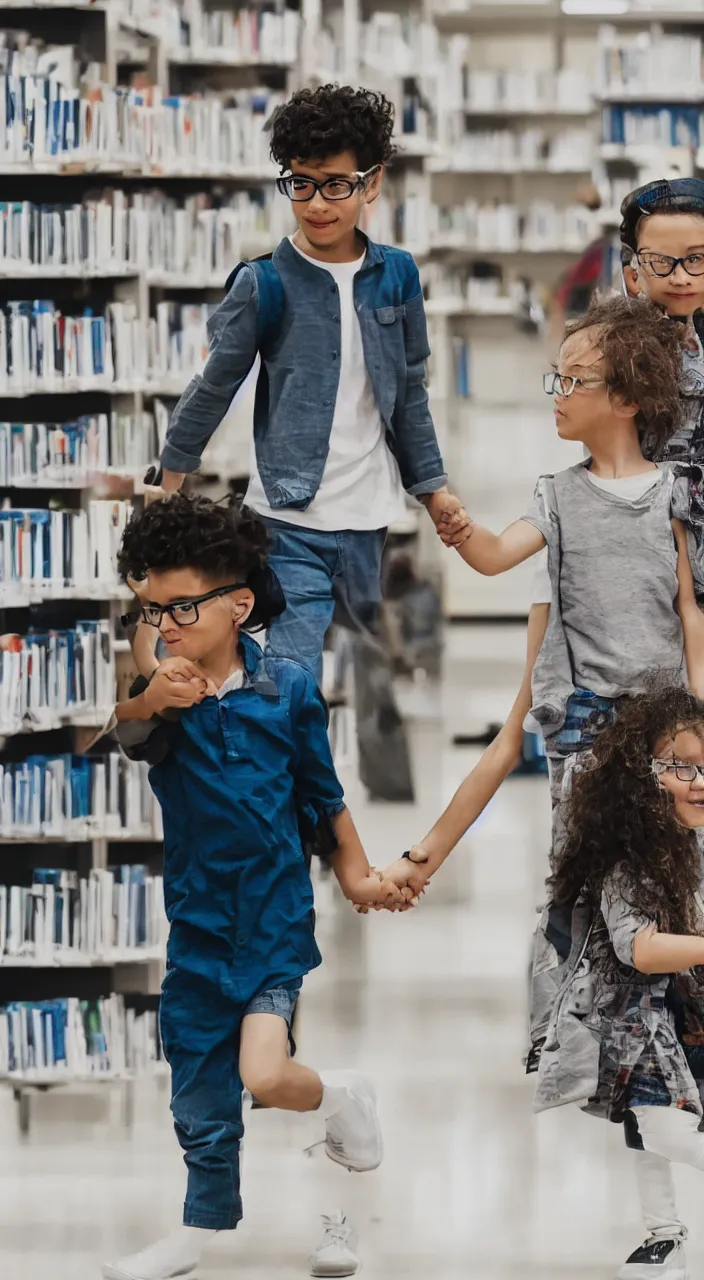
613 566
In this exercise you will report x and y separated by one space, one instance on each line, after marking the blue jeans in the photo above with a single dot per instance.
322 574
200 1030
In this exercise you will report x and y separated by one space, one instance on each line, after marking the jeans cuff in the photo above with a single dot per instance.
211 1221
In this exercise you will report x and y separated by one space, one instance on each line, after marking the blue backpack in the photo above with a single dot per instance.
271 297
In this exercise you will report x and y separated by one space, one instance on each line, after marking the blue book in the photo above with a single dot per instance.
59 1013
80 772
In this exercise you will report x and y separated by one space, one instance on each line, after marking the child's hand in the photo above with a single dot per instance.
153 493
442 507
408 874
178 684
453 532
377 892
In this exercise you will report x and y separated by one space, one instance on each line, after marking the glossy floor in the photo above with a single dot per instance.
433 1005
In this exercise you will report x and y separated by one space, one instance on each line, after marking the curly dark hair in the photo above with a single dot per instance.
642 352
222 539
322 122
618 816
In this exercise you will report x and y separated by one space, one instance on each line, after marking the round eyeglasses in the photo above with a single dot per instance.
299 187
684 772
662 265
563 384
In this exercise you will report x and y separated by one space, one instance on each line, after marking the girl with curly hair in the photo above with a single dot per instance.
625 1035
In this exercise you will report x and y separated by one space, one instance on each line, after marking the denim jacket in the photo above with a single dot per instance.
300 373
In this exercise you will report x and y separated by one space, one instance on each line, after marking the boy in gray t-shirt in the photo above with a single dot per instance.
613 558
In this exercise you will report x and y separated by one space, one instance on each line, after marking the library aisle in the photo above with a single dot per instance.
432 1004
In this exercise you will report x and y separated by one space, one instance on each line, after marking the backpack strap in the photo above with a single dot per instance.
271 297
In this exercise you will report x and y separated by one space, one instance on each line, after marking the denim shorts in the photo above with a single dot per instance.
585 715
279 1000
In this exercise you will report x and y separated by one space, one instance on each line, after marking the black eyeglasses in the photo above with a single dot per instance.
183 612
685 772
298 187
563 384
662 265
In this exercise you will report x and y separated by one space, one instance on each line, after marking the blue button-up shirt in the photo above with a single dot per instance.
300 374
239 775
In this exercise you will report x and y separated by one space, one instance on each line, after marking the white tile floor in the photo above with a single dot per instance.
433 1004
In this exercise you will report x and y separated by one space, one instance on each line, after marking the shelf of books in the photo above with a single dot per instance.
127 195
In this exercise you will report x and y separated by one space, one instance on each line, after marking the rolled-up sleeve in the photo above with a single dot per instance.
232 331
622 920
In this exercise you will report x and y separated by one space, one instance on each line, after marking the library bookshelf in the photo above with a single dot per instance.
157 156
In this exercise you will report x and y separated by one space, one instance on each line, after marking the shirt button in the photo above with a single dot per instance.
327 403
336 318
334 355
241 939
333 288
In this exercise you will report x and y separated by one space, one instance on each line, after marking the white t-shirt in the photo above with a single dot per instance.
361 485
631 488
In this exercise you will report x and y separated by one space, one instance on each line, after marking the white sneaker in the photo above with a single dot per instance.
172 1258
656 1258
335 1255
353 1134
124 1270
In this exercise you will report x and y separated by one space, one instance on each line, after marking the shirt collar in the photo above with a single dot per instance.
285 254
256 675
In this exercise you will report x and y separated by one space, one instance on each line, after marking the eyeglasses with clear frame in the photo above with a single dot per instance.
184 613
685 772
299 187
563 384
662 265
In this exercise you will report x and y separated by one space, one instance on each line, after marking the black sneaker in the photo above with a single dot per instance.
656 1258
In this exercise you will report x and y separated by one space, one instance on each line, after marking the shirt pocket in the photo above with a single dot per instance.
256 730
389 315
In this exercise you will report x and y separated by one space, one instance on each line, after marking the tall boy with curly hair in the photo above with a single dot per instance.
341 419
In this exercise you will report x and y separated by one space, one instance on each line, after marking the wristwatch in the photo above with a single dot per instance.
415 861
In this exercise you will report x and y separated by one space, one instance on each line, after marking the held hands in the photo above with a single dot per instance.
451 521
176 685
405 876
379 893
410 873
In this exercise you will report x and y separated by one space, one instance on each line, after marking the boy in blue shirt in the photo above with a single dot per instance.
341 420
242 768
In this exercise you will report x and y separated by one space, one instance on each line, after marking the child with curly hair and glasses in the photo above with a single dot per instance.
242 769
341 420
607 524
616 547
624 1036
